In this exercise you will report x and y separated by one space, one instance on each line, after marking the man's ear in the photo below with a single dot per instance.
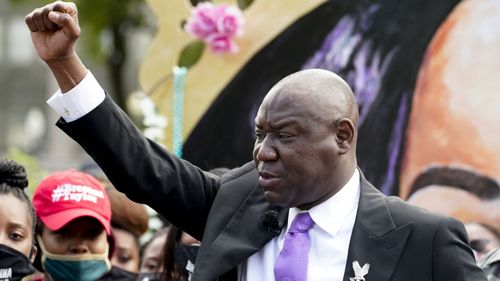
34 251
344 135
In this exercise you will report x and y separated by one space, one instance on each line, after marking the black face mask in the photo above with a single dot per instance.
14 265
150 276
118 274
185 259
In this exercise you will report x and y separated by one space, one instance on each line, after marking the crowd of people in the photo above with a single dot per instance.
301 207
75 228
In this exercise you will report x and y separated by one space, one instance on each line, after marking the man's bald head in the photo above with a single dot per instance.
323 91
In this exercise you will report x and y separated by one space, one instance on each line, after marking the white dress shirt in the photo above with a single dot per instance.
80 100
330 236
334 218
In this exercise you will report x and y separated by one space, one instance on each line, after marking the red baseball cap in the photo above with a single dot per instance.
64 196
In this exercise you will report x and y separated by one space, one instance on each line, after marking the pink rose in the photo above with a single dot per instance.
222 45
229 21
216 25
201 23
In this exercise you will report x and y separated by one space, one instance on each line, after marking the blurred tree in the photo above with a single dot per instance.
33 170
108 26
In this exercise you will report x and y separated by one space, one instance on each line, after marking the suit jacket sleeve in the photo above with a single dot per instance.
142 169
452 257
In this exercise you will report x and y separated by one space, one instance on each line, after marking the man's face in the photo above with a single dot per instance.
295 151
455 108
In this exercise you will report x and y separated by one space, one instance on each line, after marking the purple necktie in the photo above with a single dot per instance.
291 264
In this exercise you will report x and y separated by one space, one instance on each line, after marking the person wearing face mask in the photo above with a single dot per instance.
169 255
179 253
74 226
17 221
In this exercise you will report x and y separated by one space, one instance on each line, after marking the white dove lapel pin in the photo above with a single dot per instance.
359 272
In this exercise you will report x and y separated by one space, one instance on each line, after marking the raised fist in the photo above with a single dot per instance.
54 30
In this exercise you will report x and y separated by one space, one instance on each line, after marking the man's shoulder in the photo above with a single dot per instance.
400 211
403 212
248 170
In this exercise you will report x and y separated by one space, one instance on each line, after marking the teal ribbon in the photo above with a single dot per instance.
179 82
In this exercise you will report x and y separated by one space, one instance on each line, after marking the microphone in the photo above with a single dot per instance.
271 222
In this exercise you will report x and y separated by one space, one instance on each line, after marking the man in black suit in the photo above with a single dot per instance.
305 164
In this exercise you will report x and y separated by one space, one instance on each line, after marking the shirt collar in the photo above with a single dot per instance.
331 214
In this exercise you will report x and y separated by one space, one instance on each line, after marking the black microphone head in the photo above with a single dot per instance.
270 220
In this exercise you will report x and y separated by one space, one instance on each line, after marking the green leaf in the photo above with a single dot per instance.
191 54
243 4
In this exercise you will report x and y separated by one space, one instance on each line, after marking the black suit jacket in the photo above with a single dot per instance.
400 242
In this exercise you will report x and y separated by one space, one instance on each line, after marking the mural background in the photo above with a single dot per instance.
425 74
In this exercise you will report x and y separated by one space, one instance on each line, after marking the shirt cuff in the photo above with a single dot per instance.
80 100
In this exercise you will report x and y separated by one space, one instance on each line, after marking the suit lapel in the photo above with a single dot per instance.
375 238
244 233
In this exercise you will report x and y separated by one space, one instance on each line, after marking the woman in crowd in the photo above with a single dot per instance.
180 253
169 255
17 222
152 256
74 227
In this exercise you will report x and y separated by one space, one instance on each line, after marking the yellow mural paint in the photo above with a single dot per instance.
264 20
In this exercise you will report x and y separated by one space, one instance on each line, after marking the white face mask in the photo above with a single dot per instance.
86 267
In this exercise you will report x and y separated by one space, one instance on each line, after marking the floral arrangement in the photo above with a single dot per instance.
212 25
216 26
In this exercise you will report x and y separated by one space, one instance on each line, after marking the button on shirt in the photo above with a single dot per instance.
330 237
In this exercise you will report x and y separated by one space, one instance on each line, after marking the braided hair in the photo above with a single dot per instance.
13 180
